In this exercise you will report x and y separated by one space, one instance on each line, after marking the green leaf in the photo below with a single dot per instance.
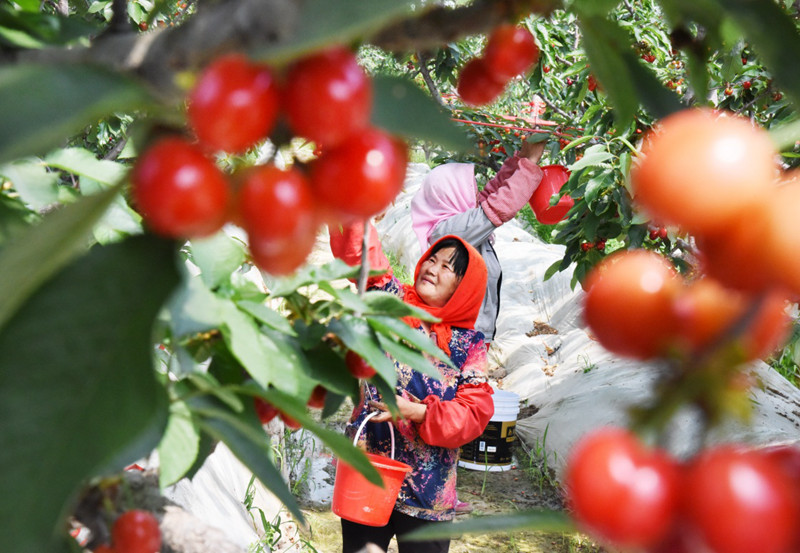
255 455
339 444
194 308
552 270
403 109
357 335
23 29
78 393
534 520
217 257
84 163
774 36
310 274
591 158
406 356
37 186
386 303
36 254
267 356
329 369
623 76
41 105
179 446
267 316
390 326
322 22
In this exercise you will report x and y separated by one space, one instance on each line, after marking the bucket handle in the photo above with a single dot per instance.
364 423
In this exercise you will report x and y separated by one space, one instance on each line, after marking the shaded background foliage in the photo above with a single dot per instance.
75 109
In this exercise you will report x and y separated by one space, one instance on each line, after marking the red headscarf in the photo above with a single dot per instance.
462 308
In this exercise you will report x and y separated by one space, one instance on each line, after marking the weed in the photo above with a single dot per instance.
273 530
295 451
586 362
539 468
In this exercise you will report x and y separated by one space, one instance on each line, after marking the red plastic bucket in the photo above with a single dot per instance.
358 500
553 179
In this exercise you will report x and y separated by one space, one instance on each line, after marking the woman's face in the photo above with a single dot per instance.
437 281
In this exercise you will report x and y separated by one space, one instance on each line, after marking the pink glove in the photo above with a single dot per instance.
508 194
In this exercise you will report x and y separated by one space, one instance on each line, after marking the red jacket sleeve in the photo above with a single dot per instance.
454 423
347 242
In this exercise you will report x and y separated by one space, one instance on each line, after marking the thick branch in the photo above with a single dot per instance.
442 25
158 56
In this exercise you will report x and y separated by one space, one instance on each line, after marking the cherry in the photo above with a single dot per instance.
317 399
740 501
361 176
294 424
136 531
329 96
179 191
276 209
510 51
620 490
357 366
265 410
234 104
477 85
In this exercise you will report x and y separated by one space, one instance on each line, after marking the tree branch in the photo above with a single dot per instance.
158 56
426 76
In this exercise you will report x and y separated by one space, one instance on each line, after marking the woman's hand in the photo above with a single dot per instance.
409 410
532 150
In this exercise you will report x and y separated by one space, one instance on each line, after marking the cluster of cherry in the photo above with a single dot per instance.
711 176
510 51
727 499
326 98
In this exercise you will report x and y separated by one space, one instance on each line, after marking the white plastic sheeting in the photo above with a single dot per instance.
574 382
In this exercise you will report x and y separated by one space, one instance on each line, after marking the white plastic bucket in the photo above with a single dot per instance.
492 450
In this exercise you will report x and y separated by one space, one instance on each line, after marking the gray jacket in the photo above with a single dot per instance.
476 228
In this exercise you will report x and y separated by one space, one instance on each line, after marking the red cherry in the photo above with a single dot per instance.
510 51
357 366
746 85
328 96
234 104
265 411
276 209
361 176
740 501
136 531
477 85
294 424
179 191
621 491
317 399
591 83
586 246
600 245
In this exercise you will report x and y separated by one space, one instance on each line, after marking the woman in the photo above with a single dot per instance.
448 202
437 416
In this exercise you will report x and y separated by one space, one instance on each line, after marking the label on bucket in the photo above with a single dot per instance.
493 447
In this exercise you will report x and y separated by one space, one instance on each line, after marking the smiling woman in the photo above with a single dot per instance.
437 416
